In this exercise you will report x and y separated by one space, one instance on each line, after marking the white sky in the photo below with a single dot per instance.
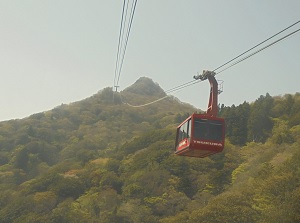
61 51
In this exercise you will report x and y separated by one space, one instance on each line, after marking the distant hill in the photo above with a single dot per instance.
146 86
102 160
102 121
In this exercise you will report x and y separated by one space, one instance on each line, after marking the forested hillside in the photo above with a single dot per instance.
101 160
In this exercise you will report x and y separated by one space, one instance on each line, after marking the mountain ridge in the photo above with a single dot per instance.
99 160
146 86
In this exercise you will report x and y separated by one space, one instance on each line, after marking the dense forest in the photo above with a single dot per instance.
100 160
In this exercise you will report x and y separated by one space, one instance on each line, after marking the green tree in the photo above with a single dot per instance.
67 186
260 123
281 132
228 207
133 211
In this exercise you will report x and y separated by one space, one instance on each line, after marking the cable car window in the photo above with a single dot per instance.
184 131
207 129
189 131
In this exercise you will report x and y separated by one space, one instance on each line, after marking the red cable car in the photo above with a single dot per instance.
201 135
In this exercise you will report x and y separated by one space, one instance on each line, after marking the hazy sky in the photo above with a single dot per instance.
61 51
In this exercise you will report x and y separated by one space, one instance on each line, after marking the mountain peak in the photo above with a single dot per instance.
145 86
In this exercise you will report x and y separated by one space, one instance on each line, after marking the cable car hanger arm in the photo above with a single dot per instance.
212 109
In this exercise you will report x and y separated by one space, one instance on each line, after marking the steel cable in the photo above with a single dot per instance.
187 84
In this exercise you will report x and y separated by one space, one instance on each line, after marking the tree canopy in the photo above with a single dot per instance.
98 160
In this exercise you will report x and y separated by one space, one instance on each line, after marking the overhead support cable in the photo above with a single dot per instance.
261 49
256 46
179 86
119 43
150 103
192 82
124 33
182 86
